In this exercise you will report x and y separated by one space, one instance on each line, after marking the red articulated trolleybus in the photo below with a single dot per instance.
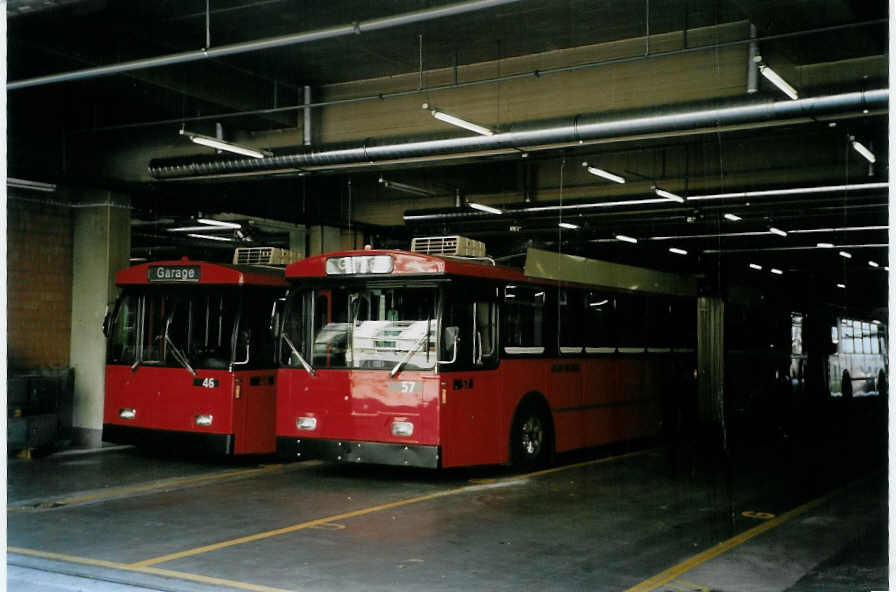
190 364
410 358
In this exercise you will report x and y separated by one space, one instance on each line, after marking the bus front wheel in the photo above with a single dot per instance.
530 438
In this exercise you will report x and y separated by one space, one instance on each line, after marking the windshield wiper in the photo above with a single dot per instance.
176 352
410 353
179 356
308 368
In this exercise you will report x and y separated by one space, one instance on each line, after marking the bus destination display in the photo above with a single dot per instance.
174 273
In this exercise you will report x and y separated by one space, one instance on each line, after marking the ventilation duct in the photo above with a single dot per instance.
653 122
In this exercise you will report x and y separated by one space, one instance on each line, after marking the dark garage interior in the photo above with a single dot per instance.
667 306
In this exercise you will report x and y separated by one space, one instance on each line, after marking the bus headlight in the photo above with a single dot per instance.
204 419
306 423
402 428
127 413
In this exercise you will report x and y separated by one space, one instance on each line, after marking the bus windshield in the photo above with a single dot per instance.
366 327
171 327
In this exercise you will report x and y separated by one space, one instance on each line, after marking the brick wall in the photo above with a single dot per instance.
39 283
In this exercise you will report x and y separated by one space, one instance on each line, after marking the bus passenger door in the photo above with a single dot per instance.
254 374
470 388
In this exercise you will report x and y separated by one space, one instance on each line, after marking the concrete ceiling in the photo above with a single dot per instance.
517 66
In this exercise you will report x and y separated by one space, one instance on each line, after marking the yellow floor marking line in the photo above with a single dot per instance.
148 570
297 527
68 558
586 463
208 580
356 513
673 572
123 491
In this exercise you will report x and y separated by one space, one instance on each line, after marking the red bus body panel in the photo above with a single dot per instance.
167 399
468 413
359 404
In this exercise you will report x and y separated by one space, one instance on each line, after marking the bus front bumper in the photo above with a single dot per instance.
169 440
352 451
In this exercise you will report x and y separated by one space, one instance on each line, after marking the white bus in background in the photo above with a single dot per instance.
858 366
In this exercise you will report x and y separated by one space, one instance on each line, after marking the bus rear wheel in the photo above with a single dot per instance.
530 439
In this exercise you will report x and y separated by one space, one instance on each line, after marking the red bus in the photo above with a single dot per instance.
403 358
190 364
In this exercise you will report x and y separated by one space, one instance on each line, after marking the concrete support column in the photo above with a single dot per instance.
711 360
101 246
323 239
297 241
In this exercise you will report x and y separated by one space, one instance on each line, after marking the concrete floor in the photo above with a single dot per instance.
783 517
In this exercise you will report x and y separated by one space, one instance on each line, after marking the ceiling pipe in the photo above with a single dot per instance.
652 122
355 28
539 73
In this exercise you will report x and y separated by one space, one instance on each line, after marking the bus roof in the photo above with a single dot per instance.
187 272
402 263
541 267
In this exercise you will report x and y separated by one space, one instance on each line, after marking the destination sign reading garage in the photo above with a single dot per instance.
174 273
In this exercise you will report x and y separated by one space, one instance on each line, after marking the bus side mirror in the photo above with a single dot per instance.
244 336
451 335
106 322
276 315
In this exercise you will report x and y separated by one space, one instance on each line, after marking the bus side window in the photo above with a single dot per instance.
630 313
569 322
846 343
523 320
659 322
599 327
486 331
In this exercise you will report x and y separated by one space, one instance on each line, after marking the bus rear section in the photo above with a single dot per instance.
190 365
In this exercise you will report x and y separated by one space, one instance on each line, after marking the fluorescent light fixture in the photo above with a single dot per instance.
825 245
733 217
756 267
219 224
626 239
793 191
873 264
677 251
846 254
776 271
223 239
226 146
841 286
209 225
858 147
668 195
600 303
198 229
458 121
405 188
485 208
568 225
602 173
777 231
775 79
33 185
